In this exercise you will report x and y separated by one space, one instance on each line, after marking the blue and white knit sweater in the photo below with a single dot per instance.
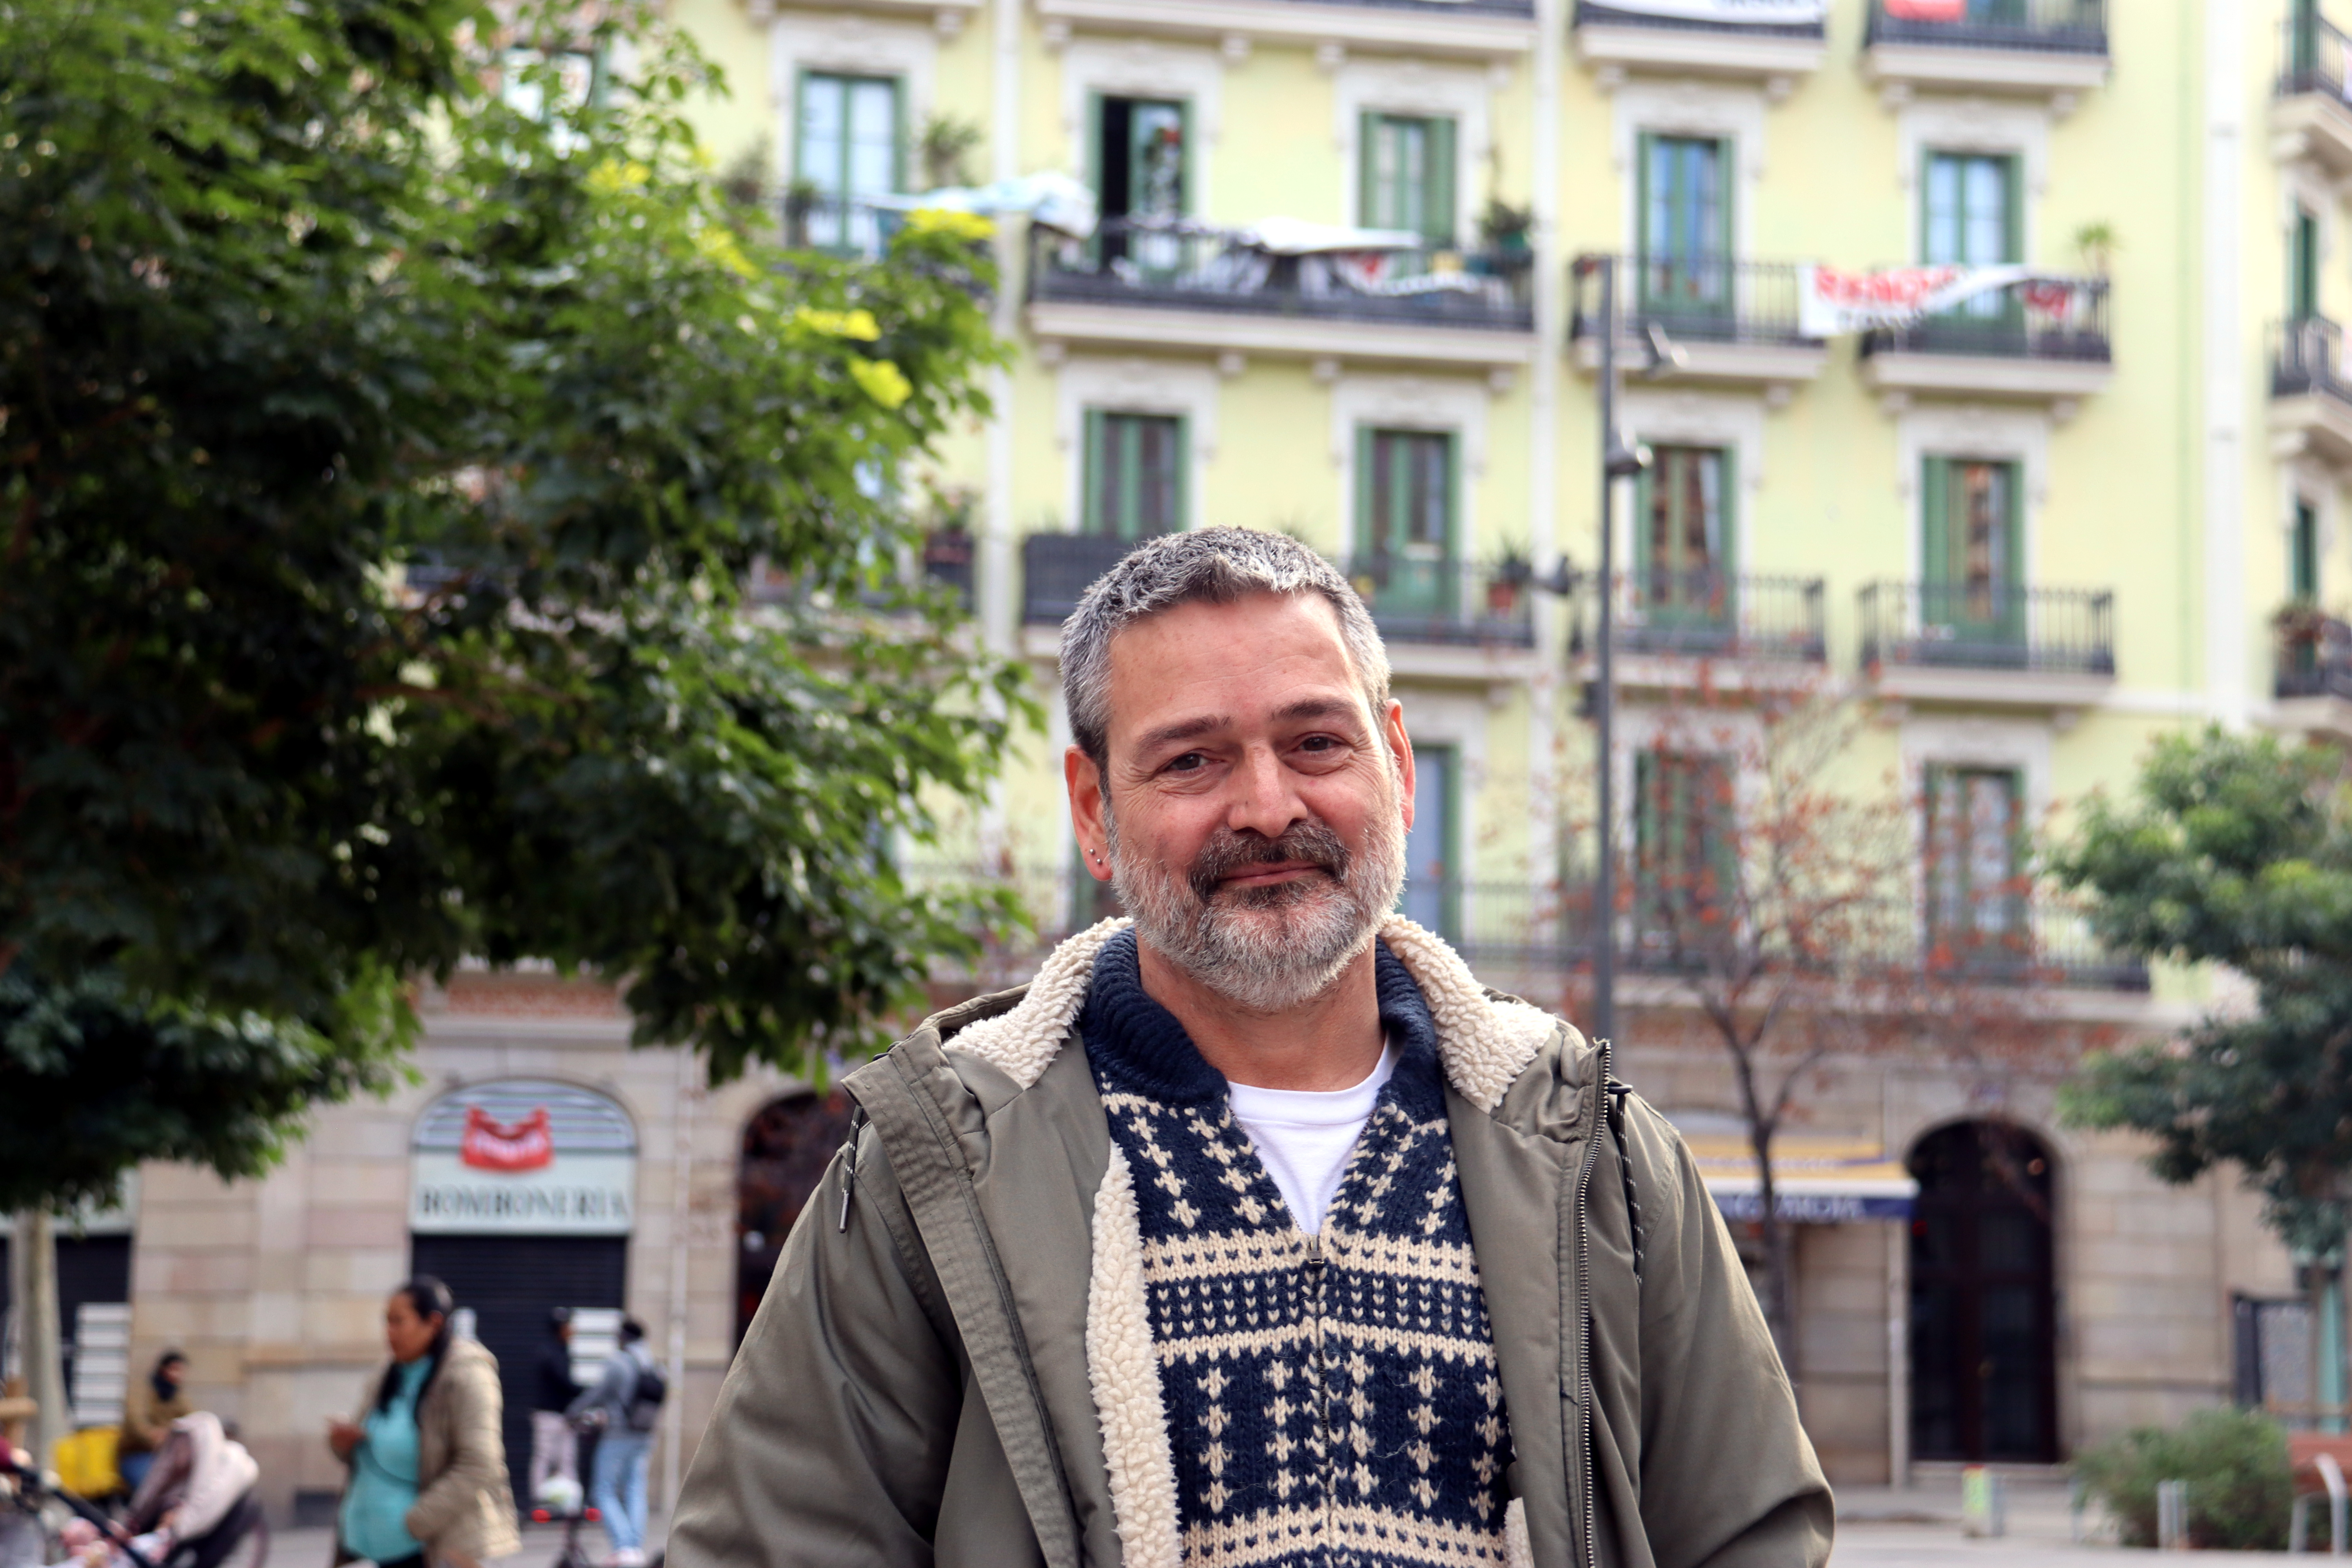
1332 1401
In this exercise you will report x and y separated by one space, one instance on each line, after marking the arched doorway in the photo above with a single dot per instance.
786 1148
1983 1302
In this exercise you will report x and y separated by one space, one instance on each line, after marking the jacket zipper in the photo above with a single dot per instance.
1316 1276
1591 1558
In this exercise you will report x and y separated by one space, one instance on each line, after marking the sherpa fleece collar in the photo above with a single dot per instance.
1484 1042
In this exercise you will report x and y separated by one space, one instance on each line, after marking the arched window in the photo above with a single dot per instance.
786 1148
1983 1304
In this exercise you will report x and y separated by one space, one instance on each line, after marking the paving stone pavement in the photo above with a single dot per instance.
1921 1528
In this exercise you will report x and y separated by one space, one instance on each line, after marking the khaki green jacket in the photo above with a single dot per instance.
963 1375
464 1507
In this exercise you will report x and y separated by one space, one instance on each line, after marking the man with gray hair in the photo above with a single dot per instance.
1254 1230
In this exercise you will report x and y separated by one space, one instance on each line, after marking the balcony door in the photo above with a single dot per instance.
1976 892
849 152
1405 484
1684 266
1408 175
1972 588
1972 215
1432 887
2303 267
1685 877
1134 474
1682 549
1142 163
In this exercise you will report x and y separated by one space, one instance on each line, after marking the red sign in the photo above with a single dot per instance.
1928 10
528 1146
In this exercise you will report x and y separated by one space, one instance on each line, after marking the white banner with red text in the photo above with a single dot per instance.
1833 302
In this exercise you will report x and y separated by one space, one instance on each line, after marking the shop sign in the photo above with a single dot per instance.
1814 1208
522 1157
1727 13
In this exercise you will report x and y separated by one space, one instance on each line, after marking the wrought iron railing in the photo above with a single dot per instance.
2311 54
2040 26
1711 614
2314 654
1056 569
1449 602
1990 625
833 225
1589 14
2307 356
1696 299
2045 319
1186 265
943 559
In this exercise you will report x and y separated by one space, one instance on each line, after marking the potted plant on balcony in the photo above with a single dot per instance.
1508 585
1504 233
2303 629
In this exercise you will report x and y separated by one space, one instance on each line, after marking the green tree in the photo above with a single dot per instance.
387 432
2235 850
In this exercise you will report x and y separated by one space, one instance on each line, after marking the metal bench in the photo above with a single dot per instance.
2319 1460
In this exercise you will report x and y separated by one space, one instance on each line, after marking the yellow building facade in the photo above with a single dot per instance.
2022 535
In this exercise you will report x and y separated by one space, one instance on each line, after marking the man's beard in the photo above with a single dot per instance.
1271 947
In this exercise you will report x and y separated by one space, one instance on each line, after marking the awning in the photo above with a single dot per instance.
1817 1178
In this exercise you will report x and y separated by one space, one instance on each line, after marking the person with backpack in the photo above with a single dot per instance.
621 1409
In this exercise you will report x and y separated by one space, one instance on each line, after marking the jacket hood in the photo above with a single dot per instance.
1485 1039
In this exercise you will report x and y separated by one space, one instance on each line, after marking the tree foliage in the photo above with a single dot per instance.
381 468
2235 850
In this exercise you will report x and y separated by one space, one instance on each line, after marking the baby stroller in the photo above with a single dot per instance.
197 1504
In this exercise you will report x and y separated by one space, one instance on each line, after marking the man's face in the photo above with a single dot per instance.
1256 808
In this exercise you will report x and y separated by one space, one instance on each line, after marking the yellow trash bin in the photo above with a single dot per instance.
84 1462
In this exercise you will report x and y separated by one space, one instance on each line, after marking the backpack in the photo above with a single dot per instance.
645 1398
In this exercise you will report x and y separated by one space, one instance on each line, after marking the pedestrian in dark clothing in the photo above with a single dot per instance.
554 1445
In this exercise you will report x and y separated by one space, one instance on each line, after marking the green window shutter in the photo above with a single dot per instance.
1368 529
2012 190
1715 813
1180 481
2303 282
1646 856
1091 476
2012 554
1934 524
1449 494
1719 244
1442 228
1726 542
1370 210
1646 236
1645 497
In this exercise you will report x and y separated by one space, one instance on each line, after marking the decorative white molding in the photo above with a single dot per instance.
1234 46
1977 125
1135 386
1464 94
1688 108
1230 363
2000 434
1145 67
844 41
1700 419
1981 742
1451 403
1329 56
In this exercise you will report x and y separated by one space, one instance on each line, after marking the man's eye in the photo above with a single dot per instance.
1317 743
1191 762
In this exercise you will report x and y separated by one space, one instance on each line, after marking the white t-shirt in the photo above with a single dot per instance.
1302 1137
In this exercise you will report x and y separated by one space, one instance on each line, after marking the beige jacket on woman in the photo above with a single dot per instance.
464 1508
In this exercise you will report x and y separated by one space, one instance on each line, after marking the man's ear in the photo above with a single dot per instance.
1085 781
1400 746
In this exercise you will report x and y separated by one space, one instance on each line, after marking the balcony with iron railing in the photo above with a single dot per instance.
2311 390
1471 29
1438 601
2311 114
1989 642
1181 283
941 561
1695 615
1618 38
2311 676
1735 322
2048 49
2045 340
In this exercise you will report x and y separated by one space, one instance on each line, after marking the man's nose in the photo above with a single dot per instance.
1263 800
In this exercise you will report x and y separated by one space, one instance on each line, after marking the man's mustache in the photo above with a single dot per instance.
1310 843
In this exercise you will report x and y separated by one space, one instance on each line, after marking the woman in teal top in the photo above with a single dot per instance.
383 1448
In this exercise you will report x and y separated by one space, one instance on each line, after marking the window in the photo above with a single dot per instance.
1685 879
849 152
1976 899
578 78
2303 553
2302 268
1134 474
1685 225
1432 886
1140 160
1972 592
1408 175
1404 528
1682 549
1972 217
